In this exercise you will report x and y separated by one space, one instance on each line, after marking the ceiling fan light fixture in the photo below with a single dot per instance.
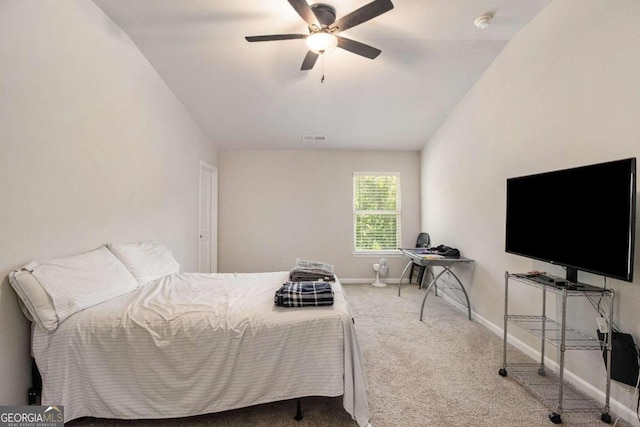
483 21
321 42
323 28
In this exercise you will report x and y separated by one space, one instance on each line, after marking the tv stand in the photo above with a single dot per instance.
536 376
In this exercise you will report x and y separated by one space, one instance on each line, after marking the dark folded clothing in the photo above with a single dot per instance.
301 294
310 275
443 250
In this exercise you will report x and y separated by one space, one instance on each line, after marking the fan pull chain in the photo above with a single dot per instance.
322 70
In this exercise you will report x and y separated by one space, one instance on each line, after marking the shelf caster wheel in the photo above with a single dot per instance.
555 418
606 418
502 372
542 372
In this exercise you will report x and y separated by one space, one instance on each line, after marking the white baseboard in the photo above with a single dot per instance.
391 280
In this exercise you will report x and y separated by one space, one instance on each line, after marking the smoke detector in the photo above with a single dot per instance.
483 21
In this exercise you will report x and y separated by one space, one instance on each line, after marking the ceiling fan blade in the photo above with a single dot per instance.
309 61
305 12
358 48
365 13
275 37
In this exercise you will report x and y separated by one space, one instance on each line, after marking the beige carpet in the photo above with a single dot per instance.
440 372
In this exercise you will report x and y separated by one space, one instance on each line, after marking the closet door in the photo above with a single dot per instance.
208 220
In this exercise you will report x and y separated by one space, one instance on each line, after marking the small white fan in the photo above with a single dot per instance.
381 269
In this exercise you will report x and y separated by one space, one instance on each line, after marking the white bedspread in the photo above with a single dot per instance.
192 343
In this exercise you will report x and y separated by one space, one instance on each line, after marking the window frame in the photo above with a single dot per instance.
397 212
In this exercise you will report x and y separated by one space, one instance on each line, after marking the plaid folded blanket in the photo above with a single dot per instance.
301 294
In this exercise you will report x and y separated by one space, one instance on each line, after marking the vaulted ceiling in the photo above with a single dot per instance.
254 95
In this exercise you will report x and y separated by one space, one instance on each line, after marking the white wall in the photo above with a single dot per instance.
276 206
94 148
564 92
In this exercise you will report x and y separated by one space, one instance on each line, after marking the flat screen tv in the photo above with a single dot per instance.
582 218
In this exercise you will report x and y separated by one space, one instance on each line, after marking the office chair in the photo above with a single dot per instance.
423 241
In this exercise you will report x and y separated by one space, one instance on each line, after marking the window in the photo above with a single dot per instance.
376 212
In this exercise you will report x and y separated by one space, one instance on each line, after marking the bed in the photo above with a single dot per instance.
126 341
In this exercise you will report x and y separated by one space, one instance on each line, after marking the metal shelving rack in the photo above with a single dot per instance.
548 386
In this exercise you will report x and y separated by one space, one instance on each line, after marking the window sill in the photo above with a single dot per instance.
394 253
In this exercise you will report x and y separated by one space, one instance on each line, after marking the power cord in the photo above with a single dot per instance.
636 396
599 310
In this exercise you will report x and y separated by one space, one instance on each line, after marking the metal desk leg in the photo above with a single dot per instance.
445 269
463 290
429 290
402 276
435 285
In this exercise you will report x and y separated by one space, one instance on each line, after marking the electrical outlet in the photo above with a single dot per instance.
603 326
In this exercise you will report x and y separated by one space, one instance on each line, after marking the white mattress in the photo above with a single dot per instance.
192 343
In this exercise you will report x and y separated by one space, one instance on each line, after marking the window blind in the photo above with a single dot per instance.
376 211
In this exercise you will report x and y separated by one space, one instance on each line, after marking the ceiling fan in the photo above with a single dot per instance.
323 29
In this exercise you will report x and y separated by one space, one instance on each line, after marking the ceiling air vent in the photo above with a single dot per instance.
313 138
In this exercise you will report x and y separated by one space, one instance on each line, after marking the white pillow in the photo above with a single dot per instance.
52 290
147 260
35 302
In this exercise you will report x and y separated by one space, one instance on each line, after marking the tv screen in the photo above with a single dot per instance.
582 218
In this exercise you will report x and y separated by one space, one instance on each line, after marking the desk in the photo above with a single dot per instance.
418 256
